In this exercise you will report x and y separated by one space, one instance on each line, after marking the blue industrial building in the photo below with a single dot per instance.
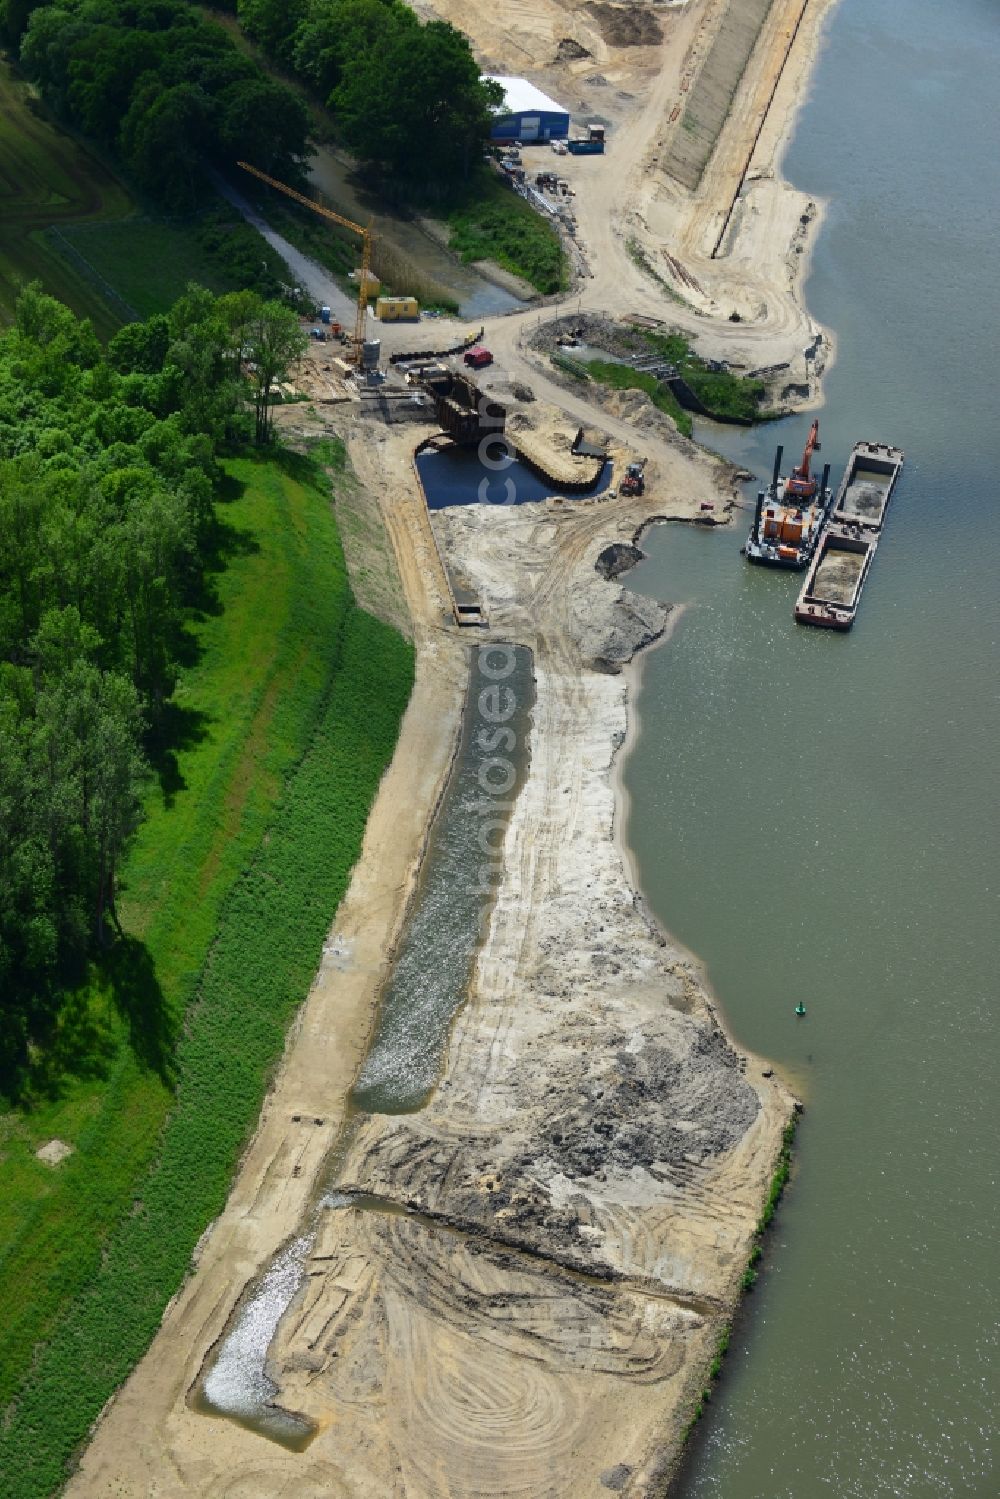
527 114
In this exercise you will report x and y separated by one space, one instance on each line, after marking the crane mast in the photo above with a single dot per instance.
361 321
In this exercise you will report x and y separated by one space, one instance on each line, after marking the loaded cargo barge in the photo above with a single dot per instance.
832 590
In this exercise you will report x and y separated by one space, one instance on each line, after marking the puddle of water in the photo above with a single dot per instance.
237 1385
584 353
457 476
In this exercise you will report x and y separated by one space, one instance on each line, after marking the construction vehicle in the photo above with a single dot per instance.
800 484
367 278
634 480
791 513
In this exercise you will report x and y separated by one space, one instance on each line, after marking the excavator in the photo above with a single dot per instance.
800 486
790 513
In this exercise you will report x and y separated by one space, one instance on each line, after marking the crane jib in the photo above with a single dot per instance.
365 232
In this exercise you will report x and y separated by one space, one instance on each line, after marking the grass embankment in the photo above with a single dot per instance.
728 397
622 377
495 224
69 222
725 396
289 718
145 264
48 180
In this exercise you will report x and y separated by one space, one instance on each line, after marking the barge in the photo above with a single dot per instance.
790 513
866 488
832 590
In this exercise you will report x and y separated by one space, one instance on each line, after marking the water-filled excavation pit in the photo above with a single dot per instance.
427 984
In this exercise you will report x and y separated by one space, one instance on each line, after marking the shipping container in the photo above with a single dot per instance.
396 309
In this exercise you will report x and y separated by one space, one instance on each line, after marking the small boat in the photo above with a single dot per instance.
790 513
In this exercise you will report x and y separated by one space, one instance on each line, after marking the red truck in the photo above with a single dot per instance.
477 358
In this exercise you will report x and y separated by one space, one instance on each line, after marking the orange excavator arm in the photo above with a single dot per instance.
801 486
812 443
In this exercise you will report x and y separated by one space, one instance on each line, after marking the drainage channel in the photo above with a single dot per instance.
426 988
454 896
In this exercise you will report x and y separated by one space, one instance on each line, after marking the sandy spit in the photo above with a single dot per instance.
571 1214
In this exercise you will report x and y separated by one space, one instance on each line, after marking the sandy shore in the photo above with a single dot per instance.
565 1224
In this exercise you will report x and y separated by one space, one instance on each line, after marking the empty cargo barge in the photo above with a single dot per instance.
832 589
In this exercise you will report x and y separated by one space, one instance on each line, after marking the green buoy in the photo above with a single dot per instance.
800 1008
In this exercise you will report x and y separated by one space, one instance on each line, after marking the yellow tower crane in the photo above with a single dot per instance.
360 324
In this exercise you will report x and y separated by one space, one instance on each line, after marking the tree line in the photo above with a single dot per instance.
162 87
406 95
108 474
169 92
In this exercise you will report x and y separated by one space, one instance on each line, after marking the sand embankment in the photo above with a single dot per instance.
533 1305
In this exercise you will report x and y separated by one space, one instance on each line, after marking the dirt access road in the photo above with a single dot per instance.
524 1293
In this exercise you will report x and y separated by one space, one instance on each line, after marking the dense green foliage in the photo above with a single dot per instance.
492 223
259 968
406 95
239 254
107 468
157 83
275 668
728 397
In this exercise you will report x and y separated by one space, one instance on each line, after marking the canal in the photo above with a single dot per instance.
816 815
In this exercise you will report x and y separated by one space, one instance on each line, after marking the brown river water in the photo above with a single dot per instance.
816 815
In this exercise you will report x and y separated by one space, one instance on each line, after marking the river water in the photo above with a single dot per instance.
815 815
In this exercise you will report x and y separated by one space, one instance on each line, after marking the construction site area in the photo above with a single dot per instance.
516 1284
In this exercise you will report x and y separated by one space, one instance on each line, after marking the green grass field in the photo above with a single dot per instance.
281 693
67 221
146 263
48 180
495 224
